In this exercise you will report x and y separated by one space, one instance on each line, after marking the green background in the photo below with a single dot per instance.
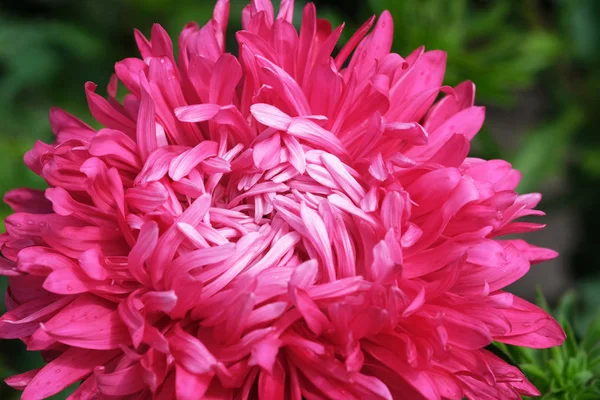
536 65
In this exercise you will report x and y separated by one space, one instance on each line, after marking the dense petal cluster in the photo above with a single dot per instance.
283 224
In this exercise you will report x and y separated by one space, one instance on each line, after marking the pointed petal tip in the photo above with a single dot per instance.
385 14
158 27
90 86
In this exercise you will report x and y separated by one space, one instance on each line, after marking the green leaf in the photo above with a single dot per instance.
583 377
593 359
592 334
540 299
590 161
556 366
566 305
483 22
564 313
535 373
569 347
543 150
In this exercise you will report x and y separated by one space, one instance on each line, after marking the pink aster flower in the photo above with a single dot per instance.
284 224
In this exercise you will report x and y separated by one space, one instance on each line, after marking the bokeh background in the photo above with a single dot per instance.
536 64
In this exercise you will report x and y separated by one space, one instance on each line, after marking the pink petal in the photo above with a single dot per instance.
342 56
271 116
67 369
190 386
533 327
467 122
272 385
197 113
317 321
190 352
113 143
412 132
146 198
464 97
533 253
25 319
267 153
142 250
317 235
146 135
21 381
375 46
286 87
170 240
425 75
105 113
286 10
453 152
157 164
66 281
92 263
28 200
346 181
312 133
182 165
226 75
128 72
305 274
307 34
143 44
159 301
121 382
373 386
104 333
132 318
296 155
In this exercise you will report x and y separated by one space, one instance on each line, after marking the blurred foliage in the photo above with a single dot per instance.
570 372
509 48
544 150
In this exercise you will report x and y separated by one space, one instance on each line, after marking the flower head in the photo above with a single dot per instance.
276 225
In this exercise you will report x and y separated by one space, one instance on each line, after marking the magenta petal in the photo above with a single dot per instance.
104 333
21 381
25 319
190 386
146 134
312 133
315 319
271 116
197 113
190 352
27 200
272 385
267 153
185 162
533 253
122 382
70 367
106 113
533 327
142 250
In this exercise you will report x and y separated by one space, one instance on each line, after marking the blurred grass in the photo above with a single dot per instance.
49 49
